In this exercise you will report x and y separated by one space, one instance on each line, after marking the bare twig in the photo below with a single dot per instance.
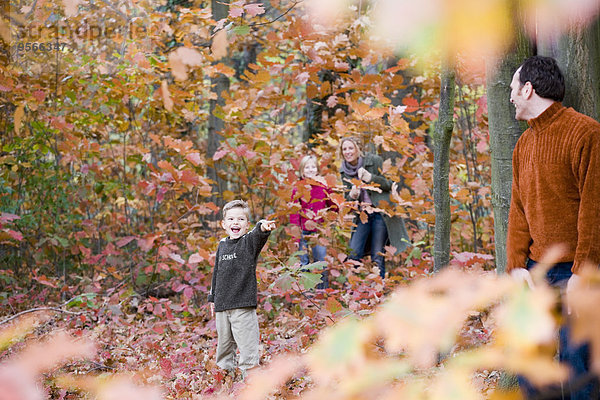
31 310
282 15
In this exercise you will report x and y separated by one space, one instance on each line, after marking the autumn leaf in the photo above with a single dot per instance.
177 258
302 77
166 96
71 7
254 9
220 154
309 280
332 101
283 282
267 379
19 113
194 158
4 31
332 305
236 9
219 45
178 68
125 240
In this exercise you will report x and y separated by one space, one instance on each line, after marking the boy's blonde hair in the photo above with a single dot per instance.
305 161
236 204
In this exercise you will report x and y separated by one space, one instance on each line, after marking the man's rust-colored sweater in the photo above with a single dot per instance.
556 189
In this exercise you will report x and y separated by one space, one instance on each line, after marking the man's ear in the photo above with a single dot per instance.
527 90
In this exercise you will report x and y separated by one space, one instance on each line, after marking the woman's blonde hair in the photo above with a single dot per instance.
305 161
355 141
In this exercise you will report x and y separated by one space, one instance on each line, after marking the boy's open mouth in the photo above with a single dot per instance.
235 229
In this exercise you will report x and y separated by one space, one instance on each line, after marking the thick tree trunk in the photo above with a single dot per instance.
441 168
220 84
505 130
579 59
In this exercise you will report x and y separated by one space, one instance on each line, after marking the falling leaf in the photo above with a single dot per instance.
332 101
4 31
194 158
254 9
178 68
235 10
19 113
195 259
220 154
219 45
302 77
191 57
124 241
71 7
166 96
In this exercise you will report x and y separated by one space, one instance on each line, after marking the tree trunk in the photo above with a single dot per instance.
579 59
441 168
504 130
220 84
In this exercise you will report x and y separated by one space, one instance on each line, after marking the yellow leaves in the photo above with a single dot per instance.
269 379
220 68
440 304
525 320
454 385
423 320
363 111
19 113
339 351
583 300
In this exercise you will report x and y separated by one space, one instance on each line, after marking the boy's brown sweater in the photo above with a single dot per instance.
556 189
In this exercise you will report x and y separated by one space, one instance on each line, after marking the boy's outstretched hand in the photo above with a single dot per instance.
267 225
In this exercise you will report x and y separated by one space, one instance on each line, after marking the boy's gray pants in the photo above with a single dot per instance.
237 329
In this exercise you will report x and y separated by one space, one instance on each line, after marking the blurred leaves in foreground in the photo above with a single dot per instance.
411 347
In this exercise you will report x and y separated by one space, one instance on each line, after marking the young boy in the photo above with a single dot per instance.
233 292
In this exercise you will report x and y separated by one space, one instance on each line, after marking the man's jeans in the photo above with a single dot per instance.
376 230
575 355
318 254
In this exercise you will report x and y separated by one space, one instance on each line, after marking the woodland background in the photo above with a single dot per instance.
121 143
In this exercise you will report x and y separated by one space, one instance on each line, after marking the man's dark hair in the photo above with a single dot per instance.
545 77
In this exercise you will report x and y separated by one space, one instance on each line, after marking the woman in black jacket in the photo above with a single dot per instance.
379 228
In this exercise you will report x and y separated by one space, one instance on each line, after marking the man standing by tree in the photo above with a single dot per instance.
555 194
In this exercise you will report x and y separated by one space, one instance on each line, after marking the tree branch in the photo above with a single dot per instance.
31 310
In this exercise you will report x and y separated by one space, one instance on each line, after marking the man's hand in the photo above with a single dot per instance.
572 284
522 274
354 192
267 225
211 307
364 175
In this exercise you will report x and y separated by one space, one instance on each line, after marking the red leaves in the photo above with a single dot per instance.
466 259
7 236
220 154
124 241
411 104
